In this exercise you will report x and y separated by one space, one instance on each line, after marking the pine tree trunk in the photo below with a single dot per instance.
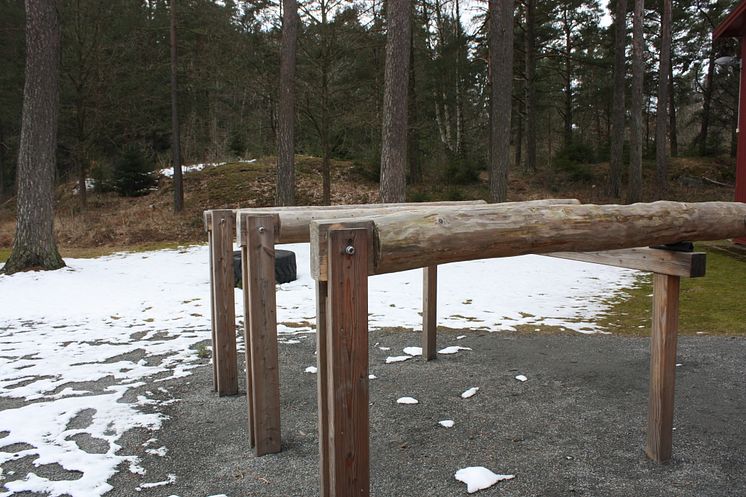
706 105
568 83
2 163
672 132
34 246
501 83
175 138
531 86
395 104
661 117
616 159
634 189
286 110
415 169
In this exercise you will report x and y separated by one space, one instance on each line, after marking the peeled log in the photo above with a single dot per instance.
413 240
292 224
299 209
319 229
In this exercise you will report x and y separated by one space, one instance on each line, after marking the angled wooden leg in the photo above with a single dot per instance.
212 315
662 366
429 312
247 342
347 363
265 374
322 384
224 346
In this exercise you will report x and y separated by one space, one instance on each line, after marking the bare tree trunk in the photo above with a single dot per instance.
396 85
531 86
286 110
2 163
568 81
634 190
175 142
415 169
673 134
616 159
661 115
501 83
34 246
706 105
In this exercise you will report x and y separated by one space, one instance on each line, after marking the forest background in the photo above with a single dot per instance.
115 94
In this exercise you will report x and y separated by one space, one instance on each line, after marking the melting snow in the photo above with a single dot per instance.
407 400
137 317
397 358
413 351
446 423
311 369
470 392
479 478
453 349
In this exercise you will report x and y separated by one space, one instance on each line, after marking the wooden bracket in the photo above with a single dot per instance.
319 234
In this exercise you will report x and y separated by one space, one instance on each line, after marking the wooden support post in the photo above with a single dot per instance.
212 314
429 312
262 345
662 366
347 363
322 384
224 318
247 342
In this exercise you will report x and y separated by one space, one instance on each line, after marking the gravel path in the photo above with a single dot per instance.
576 427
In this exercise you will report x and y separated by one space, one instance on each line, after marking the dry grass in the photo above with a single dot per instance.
113 223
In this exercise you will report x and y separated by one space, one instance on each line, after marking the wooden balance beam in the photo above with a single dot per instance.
258 230
342 261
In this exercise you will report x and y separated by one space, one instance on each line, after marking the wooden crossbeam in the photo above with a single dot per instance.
686 264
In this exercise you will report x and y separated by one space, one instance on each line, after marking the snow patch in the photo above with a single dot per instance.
407 400
478 478
471 392
397 358
447 423
311 369
413 351
453 349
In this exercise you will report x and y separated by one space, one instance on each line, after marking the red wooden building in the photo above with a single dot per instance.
734 26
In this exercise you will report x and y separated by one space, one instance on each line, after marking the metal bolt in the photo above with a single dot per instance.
261 229
349 250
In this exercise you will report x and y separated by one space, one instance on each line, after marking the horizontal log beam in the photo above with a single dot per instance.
207 215
425 238
668 262
319 230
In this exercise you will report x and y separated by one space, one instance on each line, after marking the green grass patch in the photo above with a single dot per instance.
713 304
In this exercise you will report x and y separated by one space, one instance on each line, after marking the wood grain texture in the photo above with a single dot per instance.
299 209
686 264
429 312
247 345
662 367
347 364
265 373
224 346
322 386
418 239
213 359
319 228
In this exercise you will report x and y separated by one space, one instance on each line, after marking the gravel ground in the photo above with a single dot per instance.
575 428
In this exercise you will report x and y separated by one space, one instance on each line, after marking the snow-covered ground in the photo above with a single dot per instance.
75 342
169 171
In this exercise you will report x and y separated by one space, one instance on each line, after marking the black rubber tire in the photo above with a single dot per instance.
285 267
